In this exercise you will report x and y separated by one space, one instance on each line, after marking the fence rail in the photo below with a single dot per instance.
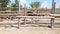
51 17
41 17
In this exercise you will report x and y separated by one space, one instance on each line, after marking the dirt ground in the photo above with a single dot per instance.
29 30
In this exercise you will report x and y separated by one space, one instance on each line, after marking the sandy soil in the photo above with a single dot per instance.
29 30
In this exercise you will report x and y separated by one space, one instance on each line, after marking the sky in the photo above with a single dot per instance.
44 3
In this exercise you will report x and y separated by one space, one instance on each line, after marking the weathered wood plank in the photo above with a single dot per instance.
41 17
55 15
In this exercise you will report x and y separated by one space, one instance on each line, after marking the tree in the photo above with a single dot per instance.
4 3
13 5
16 2
35 4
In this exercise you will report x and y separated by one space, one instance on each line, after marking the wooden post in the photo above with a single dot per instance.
19 6
24 20
52 12
25 9
25 13
53 7
52 22
10 20
19 15
37 11
32 21
5 25
18 23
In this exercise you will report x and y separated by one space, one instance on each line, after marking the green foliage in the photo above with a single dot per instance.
13 5
16 2
35 4
4 3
